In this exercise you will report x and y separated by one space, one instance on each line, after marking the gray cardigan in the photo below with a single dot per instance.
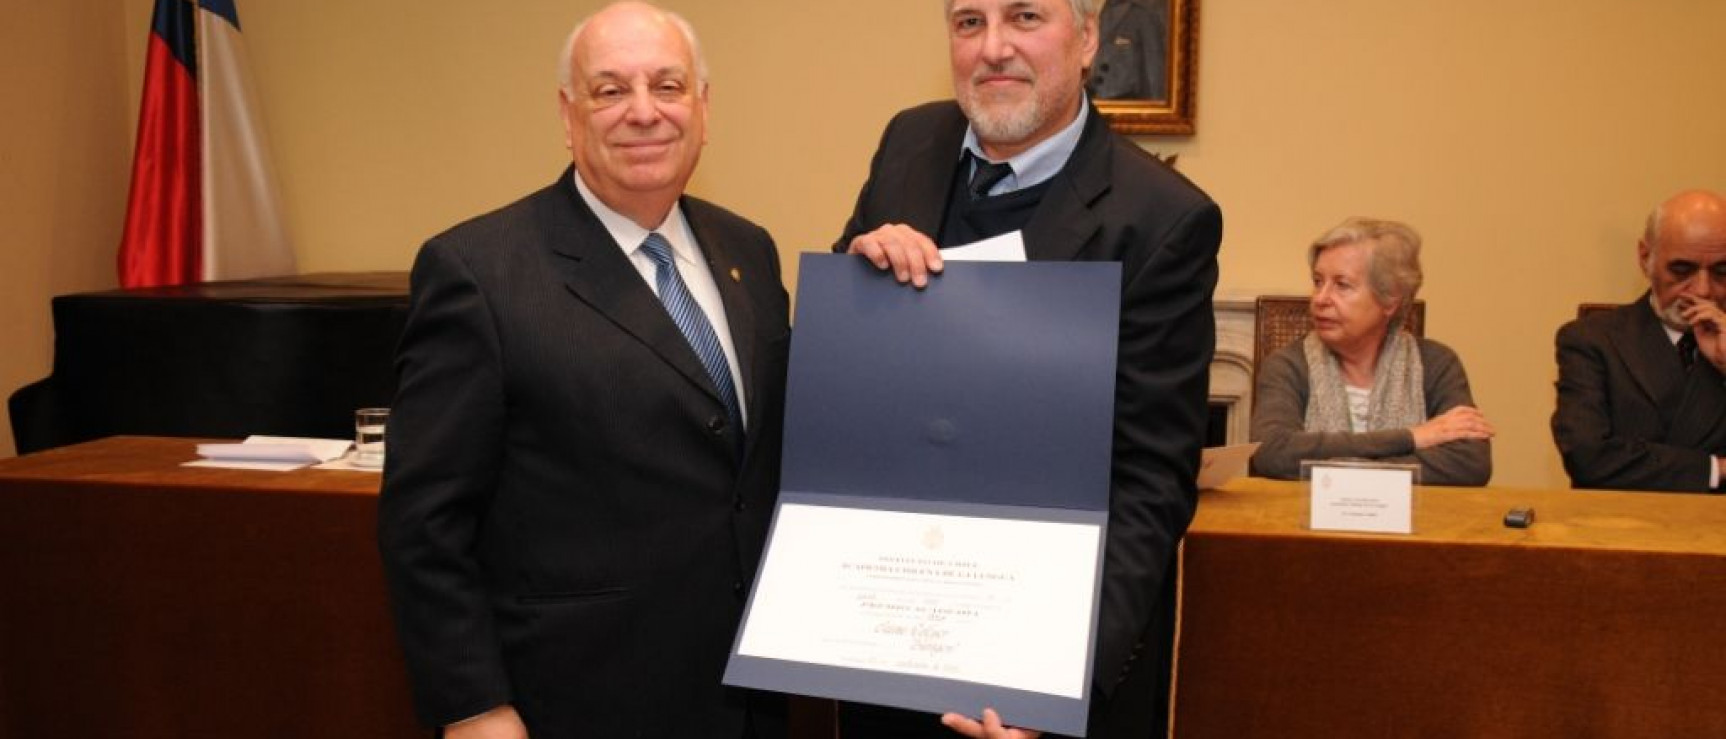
1279 419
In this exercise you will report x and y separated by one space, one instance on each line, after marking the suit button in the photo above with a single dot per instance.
739 506
716 424
737 587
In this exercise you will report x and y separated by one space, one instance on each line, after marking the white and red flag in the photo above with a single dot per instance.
203 203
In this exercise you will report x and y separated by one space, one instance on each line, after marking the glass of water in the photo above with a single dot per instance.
369 436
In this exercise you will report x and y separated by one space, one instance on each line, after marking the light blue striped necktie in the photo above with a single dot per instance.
686 313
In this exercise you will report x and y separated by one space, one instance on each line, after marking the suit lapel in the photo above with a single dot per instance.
595 270
1642 345
1700 418
927 178
1064 222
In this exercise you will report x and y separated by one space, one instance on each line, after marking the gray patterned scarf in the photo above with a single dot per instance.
1398 386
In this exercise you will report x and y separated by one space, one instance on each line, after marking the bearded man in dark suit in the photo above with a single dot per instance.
1076 191
1641 394
584 450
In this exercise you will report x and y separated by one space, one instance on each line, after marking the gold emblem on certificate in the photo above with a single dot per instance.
933 538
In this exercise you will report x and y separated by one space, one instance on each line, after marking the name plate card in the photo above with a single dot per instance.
1375 499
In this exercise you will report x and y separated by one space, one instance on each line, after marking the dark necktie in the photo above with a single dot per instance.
686 313
986 175
1687 349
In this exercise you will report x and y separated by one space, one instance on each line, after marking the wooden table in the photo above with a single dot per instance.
139 598
1606 618
145 599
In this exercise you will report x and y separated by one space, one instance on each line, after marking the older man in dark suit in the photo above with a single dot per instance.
1021 149
1641 395
584 450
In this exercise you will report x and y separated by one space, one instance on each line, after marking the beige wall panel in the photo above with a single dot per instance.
64 144
401 118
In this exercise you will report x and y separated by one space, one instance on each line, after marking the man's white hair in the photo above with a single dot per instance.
566 59
1082 9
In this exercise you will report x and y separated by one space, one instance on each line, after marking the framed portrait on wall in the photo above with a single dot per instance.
1147 54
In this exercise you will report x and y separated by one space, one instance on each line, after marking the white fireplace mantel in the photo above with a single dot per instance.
1232 366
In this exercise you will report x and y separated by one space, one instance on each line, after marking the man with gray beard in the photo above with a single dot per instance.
1022 149
1641 394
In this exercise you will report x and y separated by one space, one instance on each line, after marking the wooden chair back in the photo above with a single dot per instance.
1279 320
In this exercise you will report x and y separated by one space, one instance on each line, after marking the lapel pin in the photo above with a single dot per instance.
736 275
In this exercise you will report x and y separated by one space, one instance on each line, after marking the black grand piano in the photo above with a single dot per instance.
291 356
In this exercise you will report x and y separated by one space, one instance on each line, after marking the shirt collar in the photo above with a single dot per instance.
628 234
1037 164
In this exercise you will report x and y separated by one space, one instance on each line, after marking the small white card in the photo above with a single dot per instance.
1008 247
1377 500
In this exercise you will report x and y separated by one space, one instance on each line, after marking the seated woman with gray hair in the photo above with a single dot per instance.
1360 386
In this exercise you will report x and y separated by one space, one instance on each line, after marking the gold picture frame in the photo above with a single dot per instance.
1126 66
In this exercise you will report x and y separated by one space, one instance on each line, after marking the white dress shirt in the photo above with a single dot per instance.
691 266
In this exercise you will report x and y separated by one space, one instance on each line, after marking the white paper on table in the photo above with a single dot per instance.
1008 247
995 601
1220 464
245 464
1372 500
277 453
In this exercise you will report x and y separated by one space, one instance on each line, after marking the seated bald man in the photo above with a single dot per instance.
1641 390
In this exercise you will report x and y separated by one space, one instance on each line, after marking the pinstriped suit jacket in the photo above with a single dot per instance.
565 524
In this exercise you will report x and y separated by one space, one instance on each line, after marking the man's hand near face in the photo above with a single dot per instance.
1707 322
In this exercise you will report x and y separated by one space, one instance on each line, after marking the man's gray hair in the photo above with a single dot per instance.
1392 262
1651 235
567 57
1082 9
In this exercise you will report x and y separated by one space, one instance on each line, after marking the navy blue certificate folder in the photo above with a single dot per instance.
985 400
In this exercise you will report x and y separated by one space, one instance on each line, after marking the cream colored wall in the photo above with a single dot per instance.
407 116
64 142
1525 140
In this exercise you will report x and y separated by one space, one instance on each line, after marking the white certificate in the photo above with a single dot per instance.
1002 602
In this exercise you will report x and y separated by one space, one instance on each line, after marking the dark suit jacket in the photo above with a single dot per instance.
1112 202
565 525
1629 417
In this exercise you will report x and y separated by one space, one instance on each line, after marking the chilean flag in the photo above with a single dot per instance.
203 204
